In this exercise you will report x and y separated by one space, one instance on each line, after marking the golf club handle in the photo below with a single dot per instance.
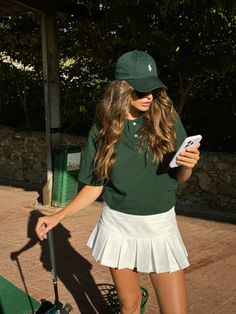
52 255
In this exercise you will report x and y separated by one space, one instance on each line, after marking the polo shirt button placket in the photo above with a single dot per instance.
133 133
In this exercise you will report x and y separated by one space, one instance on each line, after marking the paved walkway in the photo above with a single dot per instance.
211 278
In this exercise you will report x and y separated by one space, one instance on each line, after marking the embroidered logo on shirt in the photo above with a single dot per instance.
149 68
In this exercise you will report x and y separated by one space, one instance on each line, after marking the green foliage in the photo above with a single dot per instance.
21 102
212 113
20 39
82 87
192 41
20 72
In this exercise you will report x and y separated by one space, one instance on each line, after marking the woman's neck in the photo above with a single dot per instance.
134 114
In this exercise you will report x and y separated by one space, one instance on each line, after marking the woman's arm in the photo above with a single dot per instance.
87 195
187 160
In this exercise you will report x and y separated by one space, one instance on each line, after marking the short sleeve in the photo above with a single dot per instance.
86 172
180 132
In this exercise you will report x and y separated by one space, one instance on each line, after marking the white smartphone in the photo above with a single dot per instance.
190 141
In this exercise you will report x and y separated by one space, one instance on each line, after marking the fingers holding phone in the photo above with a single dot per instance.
189 157
188 153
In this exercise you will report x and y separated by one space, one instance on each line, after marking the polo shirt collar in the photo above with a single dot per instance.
138 120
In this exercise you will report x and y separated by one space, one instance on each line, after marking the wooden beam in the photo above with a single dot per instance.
51 95
36 6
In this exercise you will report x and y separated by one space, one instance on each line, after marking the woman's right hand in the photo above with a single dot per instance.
86 196
45 224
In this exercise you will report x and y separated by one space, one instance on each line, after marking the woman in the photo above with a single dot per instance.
126 158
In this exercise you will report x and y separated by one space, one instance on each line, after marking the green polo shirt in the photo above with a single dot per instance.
137 185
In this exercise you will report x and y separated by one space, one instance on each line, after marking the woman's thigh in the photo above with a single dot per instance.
127 287
170 290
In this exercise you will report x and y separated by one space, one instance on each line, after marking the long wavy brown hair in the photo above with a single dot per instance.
157 130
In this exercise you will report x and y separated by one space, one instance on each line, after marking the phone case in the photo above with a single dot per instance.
188 142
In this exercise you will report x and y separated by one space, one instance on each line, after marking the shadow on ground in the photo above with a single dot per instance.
72 268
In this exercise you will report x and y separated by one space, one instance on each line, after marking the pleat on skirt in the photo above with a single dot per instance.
148 244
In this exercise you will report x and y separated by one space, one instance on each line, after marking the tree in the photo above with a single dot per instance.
20 72
192 41
188 38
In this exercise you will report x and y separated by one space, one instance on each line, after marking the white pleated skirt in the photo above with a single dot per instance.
146 243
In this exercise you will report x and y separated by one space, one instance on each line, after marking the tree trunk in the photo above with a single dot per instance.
23 99
184 91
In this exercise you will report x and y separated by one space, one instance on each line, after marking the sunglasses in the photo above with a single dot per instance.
144 94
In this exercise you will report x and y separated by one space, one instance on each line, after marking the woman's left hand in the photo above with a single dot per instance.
189 157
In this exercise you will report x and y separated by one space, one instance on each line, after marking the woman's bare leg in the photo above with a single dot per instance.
128 290
170 291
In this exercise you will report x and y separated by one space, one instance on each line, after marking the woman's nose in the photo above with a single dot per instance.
149 95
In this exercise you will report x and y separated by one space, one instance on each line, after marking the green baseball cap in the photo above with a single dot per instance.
139 69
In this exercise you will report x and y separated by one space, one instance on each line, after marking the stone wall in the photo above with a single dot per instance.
213 184
23 154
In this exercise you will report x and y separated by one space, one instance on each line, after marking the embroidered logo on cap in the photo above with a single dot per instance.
149 68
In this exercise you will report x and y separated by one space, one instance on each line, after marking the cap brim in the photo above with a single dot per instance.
146 84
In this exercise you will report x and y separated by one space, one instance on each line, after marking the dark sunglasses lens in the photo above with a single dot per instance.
144 94
155 93
140 94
